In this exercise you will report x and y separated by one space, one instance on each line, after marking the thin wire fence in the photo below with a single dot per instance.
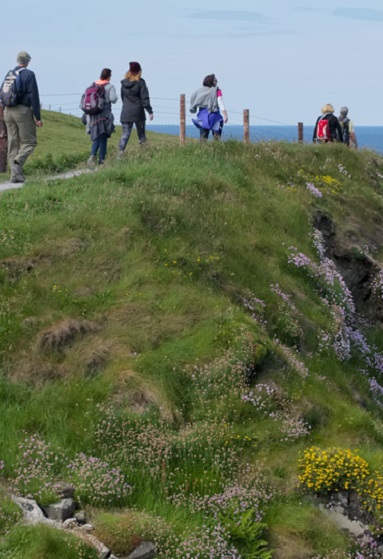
166 110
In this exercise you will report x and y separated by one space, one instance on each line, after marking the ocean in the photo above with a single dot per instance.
368 136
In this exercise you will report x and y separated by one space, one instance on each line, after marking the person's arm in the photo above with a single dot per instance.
145 100
193 107
33 92
354 140
315 130
352 135
112 94
221 106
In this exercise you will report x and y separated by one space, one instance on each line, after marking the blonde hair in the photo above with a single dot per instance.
328 108
132 77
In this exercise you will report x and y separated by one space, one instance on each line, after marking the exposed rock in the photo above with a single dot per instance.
60 511
80 517
32 513
357 267
70 524
104 552
86 528
146 550
339 517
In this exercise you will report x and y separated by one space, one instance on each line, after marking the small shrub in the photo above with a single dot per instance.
335 469
372 494
246 534
97 483
38 468
122 533
212 542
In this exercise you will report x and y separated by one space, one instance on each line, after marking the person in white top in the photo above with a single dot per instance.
212 113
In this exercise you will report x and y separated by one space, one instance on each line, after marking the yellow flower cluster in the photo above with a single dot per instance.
327 181
372 493
332 470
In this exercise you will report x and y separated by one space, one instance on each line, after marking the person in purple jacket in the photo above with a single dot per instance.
211 110
21 120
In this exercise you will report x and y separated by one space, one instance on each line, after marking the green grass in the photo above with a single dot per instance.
135 288
43 542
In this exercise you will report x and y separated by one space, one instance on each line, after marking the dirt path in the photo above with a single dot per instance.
66 175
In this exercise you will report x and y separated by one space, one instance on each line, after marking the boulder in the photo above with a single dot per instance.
146 550
60 511
32 513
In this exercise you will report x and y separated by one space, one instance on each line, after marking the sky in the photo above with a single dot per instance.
281 59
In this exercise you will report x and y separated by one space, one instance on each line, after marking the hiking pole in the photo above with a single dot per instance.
3 142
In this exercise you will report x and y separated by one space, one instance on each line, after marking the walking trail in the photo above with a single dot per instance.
66 175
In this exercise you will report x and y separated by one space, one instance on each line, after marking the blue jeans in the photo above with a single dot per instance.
99 145
127 130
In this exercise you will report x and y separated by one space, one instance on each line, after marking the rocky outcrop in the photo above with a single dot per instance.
356 266
62 516
146 550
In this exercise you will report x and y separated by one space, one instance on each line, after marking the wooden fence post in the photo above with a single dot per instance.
246 129
182 119
3 143
300 132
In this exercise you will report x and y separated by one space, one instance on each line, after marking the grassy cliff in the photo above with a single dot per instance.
192 337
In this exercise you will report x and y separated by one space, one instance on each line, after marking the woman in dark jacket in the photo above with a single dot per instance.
135 101
335 133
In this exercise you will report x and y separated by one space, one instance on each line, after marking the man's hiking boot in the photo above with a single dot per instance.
17 174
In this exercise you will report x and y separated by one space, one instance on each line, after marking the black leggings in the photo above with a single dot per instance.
204 133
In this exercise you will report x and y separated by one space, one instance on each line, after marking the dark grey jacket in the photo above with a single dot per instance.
103 123
135 100
30 93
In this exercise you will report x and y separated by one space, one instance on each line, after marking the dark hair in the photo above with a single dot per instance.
209 80
105 74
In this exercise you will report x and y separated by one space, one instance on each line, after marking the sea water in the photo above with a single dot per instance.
368 136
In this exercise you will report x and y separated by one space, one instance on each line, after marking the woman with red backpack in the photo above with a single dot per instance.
327 127
100 126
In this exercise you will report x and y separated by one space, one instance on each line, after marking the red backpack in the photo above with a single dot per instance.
93 99
323 130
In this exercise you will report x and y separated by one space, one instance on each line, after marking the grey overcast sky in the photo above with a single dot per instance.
282 59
